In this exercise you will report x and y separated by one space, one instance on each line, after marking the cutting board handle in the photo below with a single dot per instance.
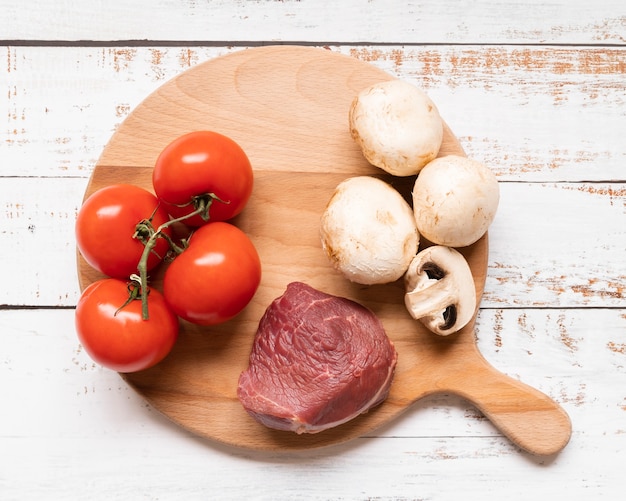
528 417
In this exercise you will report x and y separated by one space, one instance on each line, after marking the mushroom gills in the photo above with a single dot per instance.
440 290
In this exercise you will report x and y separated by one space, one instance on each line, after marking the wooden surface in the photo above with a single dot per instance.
274 101
534 89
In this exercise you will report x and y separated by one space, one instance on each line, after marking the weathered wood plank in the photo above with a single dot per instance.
530 113
569 240
37 255
551 244
327 21
70 409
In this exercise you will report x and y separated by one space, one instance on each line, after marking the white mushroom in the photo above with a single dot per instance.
397 126
455 200
440 290
368 231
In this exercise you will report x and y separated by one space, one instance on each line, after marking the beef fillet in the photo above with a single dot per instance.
317 361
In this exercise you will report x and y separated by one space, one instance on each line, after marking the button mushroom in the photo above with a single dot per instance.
455 200
397 127
368 231
440 290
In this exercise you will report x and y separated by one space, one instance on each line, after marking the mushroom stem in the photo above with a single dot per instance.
422 303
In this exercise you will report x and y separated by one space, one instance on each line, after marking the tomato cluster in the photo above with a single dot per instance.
201 180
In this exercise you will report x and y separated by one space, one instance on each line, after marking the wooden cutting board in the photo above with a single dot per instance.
287 106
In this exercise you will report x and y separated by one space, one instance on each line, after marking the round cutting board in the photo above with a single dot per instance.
287 106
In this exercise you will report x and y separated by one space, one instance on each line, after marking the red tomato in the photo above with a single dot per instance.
106 224
122 340
201 163
215 277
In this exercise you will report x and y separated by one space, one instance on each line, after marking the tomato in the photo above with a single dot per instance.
215 277
106 224
201 163
122 340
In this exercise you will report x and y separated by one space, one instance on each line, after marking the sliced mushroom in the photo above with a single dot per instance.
440 290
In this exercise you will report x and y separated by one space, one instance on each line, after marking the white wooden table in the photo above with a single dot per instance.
536 90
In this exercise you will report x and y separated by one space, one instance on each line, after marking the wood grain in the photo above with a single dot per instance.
324 21
564 107
91 413
287 107
558 270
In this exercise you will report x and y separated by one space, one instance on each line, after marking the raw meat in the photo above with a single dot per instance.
317 361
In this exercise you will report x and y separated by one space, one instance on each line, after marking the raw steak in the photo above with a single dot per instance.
317 361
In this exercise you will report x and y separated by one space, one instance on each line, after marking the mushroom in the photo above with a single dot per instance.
440 290
368 231
397 127
455 200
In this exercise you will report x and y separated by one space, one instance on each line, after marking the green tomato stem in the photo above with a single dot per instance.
133 292
202 205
